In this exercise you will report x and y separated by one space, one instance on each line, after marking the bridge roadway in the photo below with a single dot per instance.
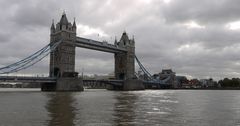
118 83
27 79
100 46
53 80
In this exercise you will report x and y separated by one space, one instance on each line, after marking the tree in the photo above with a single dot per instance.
234 82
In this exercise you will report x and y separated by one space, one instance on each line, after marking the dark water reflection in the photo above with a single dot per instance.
109 108
60 108
124 109
139 108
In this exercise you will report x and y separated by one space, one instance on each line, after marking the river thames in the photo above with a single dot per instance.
31 107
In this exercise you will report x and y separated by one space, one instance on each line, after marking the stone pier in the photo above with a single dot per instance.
69 84
128 85
64 84
133 84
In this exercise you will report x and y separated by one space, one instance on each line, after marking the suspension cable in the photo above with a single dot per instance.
143 68
30 60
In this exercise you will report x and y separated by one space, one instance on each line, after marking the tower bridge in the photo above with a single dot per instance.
62 59
62 49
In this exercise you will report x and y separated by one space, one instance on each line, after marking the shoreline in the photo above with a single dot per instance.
197 89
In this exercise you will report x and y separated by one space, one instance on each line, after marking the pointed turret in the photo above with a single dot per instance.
63 24
115 41
74 24
53 27
74 27
124 39
133 40
124 36
64 20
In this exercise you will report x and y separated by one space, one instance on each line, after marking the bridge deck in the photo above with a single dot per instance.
100 46
26 79
119 83
53 80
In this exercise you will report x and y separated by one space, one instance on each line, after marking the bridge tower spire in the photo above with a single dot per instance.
53 27
62 59
74 24
124 62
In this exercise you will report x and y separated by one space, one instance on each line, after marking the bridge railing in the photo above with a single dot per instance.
26 79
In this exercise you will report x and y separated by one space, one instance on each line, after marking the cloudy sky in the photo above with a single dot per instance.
196 38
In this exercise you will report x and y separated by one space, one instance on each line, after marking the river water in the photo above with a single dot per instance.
31 107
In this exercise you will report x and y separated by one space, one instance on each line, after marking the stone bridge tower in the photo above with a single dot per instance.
124 62
62 59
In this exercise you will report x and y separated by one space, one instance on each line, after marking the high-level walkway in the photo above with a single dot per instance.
97 45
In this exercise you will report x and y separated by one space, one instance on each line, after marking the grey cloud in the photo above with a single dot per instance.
4 37
33 13
157 28
203 11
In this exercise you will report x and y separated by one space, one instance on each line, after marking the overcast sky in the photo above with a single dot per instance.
196 38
